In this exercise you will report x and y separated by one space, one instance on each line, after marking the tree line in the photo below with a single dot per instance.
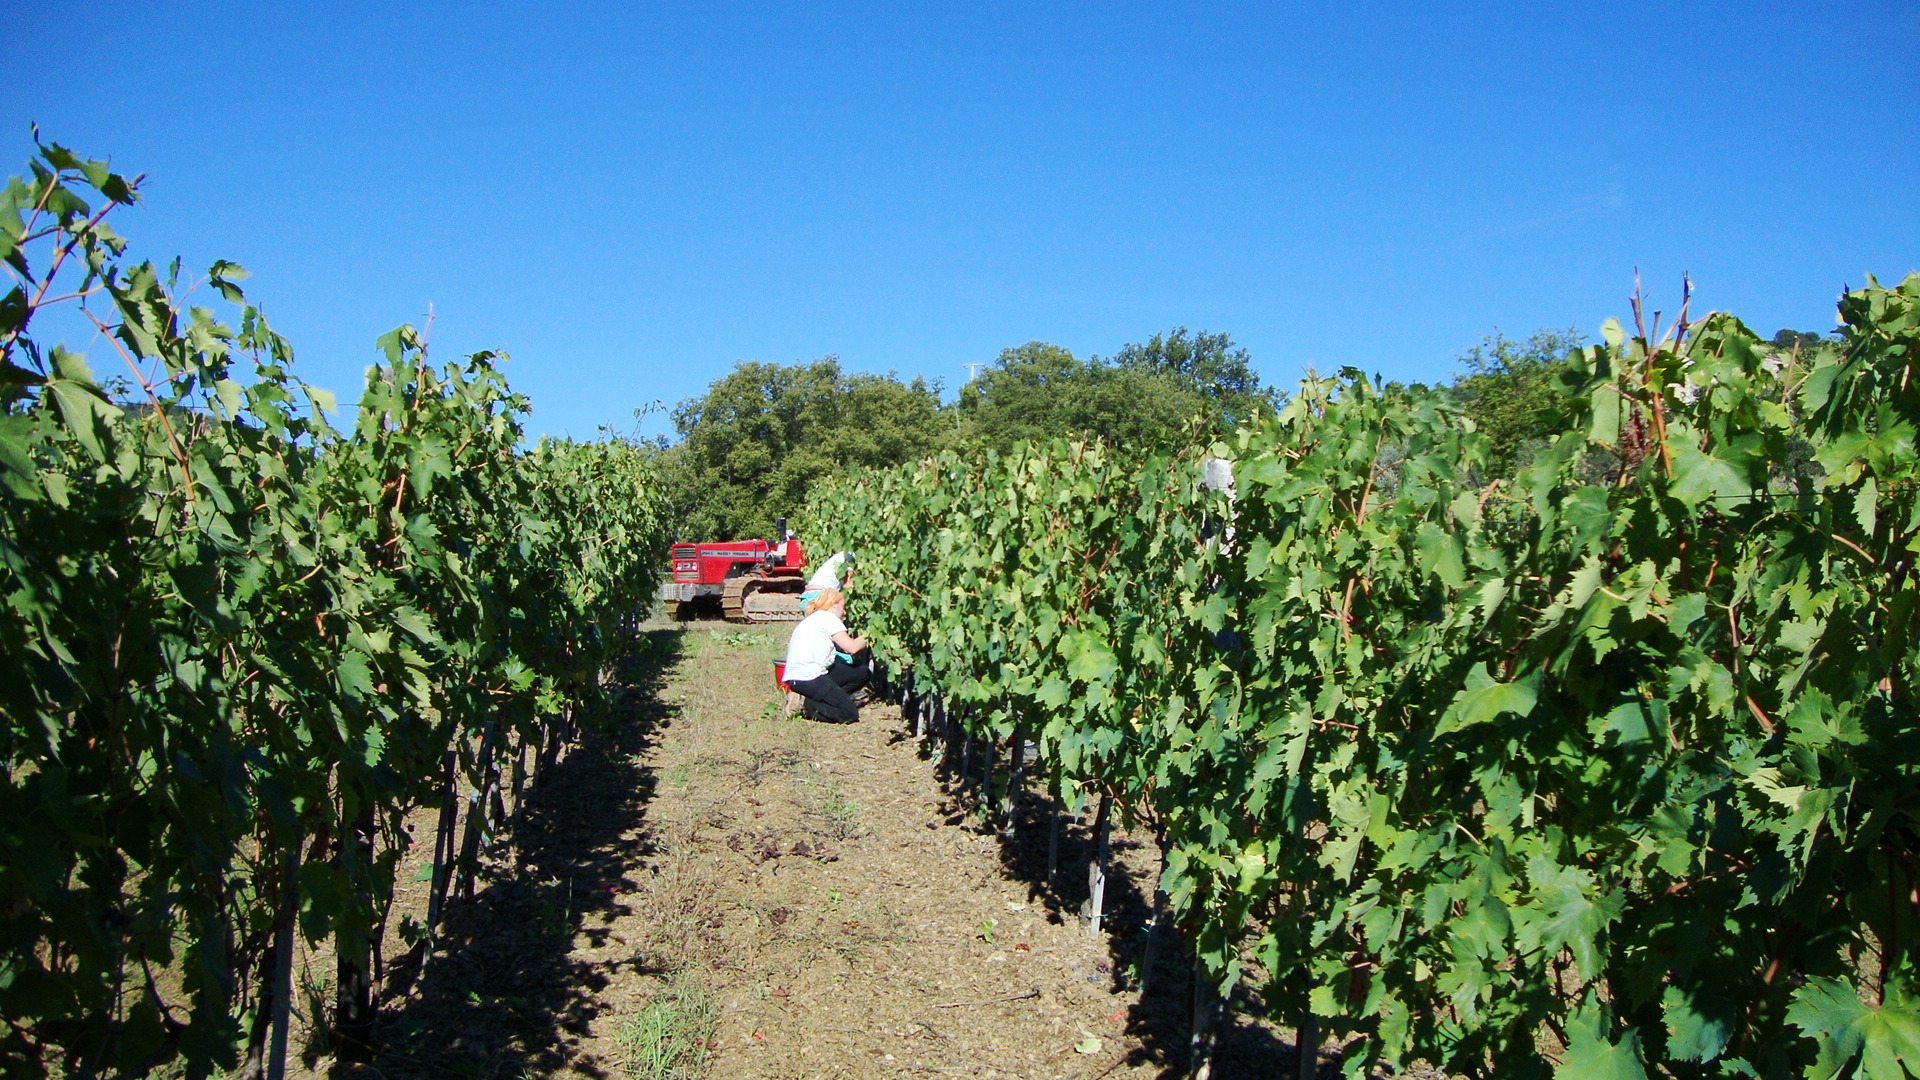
764 434
752 446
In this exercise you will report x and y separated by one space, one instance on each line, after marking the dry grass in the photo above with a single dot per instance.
715 887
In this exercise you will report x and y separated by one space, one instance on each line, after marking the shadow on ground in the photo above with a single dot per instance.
1163 1018
503 996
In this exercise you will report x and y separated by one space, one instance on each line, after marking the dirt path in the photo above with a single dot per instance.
809 899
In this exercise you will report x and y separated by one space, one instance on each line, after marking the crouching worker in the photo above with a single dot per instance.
815 672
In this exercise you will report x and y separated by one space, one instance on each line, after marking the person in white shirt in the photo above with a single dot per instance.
835 573
826 681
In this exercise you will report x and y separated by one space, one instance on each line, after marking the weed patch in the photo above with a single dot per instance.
736 640
769 761
831 814
668 1039
553 904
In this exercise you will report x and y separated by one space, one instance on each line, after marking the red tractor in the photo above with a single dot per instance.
752 580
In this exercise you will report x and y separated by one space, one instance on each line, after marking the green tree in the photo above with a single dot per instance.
1508 389
1211 364
1040 391
1797 339
749 449
1148 395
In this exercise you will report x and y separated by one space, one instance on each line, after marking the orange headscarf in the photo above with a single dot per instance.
825 599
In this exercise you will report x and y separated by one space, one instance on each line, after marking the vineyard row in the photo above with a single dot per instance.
240 646
1601 769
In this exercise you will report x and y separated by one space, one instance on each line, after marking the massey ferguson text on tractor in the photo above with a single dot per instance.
748 580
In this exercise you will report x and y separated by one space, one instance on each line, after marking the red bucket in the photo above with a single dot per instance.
780 675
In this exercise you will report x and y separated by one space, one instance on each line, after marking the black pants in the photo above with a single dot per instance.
830 696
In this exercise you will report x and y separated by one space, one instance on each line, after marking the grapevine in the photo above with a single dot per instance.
240 645
1604 769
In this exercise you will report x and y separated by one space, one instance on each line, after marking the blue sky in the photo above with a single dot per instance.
630 199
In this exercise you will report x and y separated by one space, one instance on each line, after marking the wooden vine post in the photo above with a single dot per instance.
1097 868
520 775
1306 1048
989 755
443 839
354 946
1053 840
1016 770
912 704
1206 1014
476 815
492 797
1157 929
282 980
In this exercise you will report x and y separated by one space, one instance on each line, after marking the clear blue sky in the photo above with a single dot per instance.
629 199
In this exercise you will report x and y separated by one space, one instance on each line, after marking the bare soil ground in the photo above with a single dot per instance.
816 900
